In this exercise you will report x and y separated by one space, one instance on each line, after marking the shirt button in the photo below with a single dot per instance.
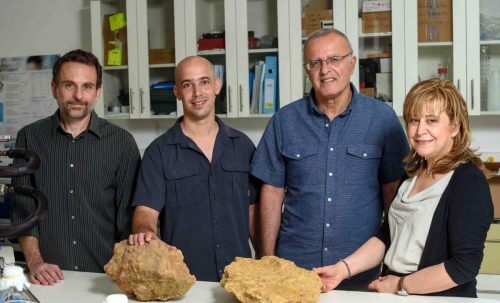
330 174
74 242
71 165
331 148
326 248
72 217
326 125
216 222
71 191
298 155
329 199
364 155
218 246
327 224
76 267
73 141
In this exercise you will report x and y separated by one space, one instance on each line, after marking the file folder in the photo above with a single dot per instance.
270 89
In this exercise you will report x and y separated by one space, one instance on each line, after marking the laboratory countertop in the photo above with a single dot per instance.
93 288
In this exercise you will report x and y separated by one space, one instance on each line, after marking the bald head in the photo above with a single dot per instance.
190 61
326 32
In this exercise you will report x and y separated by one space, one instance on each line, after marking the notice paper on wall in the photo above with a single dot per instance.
25 93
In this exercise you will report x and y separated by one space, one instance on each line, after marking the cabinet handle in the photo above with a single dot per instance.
472 93
458 84
229 99
131 100
141 91
241 98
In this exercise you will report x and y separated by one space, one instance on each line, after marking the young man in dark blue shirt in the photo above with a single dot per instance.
195 180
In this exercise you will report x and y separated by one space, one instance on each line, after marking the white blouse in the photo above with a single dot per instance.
409 223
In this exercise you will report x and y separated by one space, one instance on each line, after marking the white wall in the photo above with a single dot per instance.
37 27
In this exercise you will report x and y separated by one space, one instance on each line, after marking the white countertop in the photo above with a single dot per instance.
82 287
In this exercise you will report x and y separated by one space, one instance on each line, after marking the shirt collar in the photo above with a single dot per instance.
176 136
94 126
352 104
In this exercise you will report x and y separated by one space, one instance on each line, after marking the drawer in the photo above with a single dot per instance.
491 259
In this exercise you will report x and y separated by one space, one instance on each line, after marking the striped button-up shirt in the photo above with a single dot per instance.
88 181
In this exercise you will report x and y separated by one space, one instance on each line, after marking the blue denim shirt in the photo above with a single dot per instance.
203 205
332 172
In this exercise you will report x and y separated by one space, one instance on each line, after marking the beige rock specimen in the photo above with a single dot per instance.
270 280
153 271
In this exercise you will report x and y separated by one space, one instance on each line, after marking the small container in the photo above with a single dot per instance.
116 298
13 276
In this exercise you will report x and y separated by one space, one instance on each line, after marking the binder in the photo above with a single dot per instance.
270 85
257 87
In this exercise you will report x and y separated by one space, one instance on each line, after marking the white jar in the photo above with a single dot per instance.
494 91
13 276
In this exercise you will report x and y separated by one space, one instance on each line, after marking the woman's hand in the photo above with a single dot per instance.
331 275
387 284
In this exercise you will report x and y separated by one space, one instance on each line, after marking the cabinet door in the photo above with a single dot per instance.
440 45
379 47
260 30
304 18
484 47
156 57
119 98
211 33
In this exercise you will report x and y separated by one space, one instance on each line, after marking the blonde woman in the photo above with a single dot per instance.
433 240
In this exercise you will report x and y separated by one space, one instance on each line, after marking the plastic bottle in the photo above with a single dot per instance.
442 71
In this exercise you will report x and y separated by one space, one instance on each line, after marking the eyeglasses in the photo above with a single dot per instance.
332 60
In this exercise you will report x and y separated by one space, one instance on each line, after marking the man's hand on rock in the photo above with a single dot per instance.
141 238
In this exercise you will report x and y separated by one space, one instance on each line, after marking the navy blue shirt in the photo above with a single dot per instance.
332 172
203 205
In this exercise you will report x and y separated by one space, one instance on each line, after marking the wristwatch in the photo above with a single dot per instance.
401 290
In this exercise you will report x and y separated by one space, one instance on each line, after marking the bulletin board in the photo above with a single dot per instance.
25 93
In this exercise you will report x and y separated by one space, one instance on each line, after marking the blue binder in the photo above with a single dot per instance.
270 85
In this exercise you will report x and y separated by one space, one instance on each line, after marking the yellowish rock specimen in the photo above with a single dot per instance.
270 280
153 271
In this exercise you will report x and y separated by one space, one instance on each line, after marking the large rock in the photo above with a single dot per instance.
270 280
153 271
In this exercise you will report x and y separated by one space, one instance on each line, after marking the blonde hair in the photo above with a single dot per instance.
444 96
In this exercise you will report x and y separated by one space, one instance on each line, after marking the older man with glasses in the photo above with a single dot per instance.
334 159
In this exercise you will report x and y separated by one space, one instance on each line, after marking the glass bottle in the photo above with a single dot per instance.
485 73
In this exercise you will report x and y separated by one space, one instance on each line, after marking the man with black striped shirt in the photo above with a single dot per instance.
88 169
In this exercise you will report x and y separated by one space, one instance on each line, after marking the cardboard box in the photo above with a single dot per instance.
376 6
311 20
317 5
494 182
110 36
491 261
376 22
368 91
435 21
161 55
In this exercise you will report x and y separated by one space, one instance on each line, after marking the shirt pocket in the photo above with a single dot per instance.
183 188
236 179
362 164
302 165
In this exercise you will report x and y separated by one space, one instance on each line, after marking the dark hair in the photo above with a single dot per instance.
79 56
440 95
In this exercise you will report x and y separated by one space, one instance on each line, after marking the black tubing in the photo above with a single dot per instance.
39 215
32 163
